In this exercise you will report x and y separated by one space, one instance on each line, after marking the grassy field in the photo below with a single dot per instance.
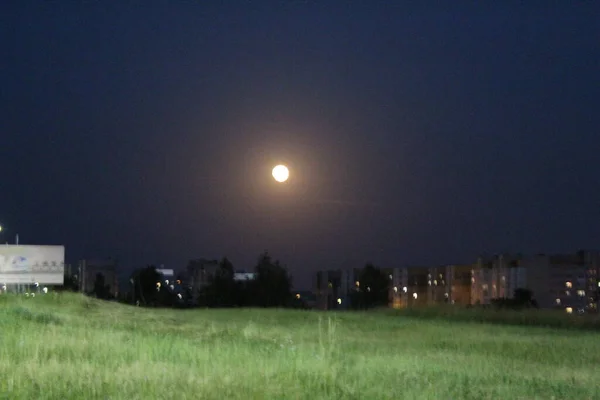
71 347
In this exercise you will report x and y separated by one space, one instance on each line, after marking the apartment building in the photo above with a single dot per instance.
333 288
570 282
562 281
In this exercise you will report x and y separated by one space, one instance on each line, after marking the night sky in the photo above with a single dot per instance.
415 133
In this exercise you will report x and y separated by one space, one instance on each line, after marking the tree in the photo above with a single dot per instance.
221 291
272 286
373 289
144 285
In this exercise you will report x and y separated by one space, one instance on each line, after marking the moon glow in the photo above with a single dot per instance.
281 173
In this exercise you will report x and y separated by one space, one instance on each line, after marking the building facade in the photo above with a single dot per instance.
568 282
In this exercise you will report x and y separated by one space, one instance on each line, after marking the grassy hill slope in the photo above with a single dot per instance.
71 347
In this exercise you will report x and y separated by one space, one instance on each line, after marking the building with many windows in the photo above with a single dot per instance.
569 282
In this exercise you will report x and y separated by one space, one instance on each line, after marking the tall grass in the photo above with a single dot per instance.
525 317
71 347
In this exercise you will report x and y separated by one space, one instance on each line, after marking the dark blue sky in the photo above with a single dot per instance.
416 133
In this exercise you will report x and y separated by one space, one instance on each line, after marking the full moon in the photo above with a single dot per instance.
281 173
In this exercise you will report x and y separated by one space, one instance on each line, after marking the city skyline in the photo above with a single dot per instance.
414 134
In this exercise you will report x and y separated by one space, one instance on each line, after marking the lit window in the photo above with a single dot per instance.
569 310
558 301
415 295
404 289
568 284
339 301
581 293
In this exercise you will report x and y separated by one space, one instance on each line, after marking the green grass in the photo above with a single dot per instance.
526 317
71 347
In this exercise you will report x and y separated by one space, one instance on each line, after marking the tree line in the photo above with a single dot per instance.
271 287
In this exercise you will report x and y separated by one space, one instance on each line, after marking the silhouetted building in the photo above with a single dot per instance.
569 282
562 281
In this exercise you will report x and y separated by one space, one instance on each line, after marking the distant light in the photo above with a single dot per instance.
297 295
36 284
557 301
446 295
569 310
179 295
26 294
391 277
415 295
167 282
45 290
339 301
404 289
32 294
172 287
368 288
435 282
178 282
358 284
396 289
158 285
429 283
